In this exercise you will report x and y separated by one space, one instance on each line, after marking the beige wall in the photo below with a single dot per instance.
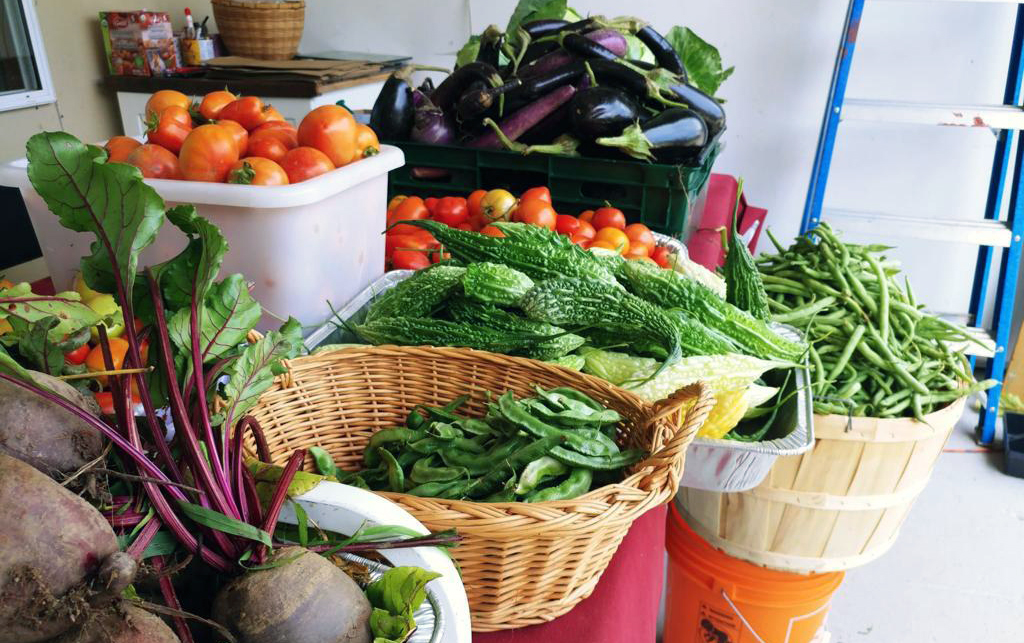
71 36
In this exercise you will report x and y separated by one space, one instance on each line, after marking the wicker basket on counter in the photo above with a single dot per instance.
522 564
266 30
837 506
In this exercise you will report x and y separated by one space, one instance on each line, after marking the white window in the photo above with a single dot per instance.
24 74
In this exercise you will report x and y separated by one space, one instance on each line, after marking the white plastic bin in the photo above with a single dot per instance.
301 245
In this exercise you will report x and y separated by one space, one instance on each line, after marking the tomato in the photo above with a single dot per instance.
248 111
77 356
473 202
615 237
267 145
409 260
254 170
602 244
208 153
105 400
586 215
497 205
431 203
166 98
170 128
119 147
491 231
155 162
394 242
586 230
406 230
609 218
395 200
641 258
538 213
332 130
541 193
451 210
640 233
661 256
637 250
94 360
214 102
274 116
581 241
366 142
277 125
240 135
467 226
567 224
436 254
411 207
304 163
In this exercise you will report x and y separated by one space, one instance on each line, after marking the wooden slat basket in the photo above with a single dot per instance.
522 564
835 507
265 30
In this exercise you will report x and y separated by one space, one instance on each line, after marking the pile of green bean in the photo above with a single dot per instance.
550 447
873 350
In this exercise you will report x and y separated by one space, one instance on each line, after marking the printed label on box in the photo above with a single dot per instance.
716 626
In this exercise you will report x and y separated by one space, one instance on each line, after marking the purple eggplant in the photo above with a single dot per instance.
601 111
392 114
663 52
586 48
455 85
490 46
673 136
517 123
709 109
610 39
478 101
431 125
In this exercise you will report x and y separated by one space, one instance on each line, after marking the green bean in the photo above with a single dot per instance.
805 312
850 389
782 281
883 299
819 370
779 288
851 345
895 363
577 484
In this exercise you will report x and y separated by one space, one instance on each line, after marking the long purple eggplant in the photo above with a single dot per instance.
610 39
517 123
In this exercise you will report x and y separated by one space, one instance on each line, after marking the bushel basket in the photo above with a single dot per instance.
265 30
521 563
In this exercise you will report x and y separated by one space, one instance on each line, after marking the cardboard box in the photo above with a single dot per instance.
138 43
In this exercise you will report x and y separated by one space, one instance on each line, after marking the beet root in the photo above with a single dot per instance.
123 623
37 431
51 543
305 600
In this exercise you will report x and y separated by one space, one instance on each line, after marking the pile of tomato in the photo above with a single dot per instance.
240 139
409 247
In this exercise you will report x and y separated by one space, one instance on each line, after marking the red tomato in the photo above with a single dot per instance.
614 237
170 128
166 98
208 153
304 163
119 147
366 142
567 224
586 230
536 212
660 254
214 102
248 111
77 356
409 260
468 227
431 203
155 162
411 207
639 233
473 202
105 400
271 144
275 124
609 218
274 116
637 250
437 254
332 130
541 193
600 243
580 240
240 135
491 231
394 242
254 170
451 210
586 215
395 200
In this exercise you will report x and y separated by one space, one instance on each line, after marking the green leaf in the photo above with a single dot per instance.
324 462
88 195
197 264
702 61
8 366
163 543
216 520
72 315
390 627
468 52
252 373
302 522
400 590
228 314
527 10
637 50
42 346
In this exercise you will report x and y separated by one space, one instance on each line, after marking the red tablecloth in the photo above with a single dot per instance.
624 605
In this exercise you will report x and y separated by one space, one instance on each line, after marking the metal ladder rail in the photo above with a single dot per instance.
1009 117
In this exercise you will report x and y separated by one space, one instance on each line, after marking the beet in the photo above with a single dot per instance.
39 432
304 600
51 543
123 623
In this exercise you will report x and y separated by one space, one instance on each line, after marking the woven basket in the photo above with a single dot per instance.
835 507
266 30
522 564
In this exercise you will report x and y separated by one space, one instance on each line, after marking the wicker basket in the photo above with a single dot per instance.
267 30
835 507
522 564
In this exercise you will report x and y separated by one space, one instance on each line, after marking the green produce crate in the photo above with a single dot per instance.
659 196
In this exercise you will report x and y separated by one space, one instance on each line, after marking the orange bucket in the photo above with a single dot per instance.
714 598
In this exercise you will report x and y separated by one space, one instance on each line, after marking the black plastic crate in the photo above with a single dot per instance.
659 196
1013 424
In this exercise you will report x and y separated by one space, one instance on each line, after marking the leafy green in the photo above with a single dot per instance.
227 315
395 596
468 52
42 346
163 543
637 50
72 315
9 366
199 262
390 628
220 522
527 10
701 59
88 195
252 373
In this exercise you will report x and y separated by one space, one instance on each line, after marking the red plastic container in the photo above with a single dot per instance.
705 244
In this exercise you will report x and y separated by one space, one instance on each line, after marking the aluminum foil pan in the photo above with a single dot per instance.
429 617
334 332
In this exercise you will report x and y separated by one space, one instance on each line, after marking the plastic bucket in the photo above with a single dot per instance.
714 598
300 245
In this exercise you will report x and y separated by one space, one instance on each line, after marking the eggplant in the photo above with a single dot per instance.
601 111
477 101
537 50
552 126
608 38
545 27
490 46
455 85
586 48
707 107
675 135
642 64
431 125
663 52
618 75
393 111
517 123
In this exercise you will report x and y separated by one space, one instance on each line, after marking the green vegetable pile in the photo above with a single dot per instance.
549 447
395 596
874 351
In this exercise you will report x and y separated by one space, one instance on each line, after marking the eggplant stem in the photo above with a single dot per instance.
632 141
590 73
524 42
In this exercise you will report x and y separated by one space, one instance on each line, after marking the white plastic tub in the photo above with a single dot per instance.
299 245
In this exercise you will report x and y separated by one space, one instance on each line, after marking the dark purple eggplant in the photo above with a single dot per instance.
490 46
554 125
537 50
476 102
677 134
709 109
427 86
586 48
517 123
642 64
480 98
431 125
392 114
455 85
601 111
545 27
663 52
618 75
608 38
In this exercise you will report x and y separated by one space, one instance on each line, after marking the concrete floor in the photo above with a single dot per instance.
957 572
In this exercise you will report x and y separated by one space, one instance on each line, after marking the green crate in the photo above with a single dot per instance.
659 196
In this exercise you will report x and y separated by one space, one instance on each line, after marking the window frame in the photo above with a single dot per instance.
46 94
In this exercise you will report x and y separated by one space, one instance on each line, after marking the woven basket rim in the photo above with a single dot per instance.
283 5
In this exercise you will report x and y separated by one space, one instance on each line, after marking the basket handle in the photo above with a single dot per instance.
671 453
